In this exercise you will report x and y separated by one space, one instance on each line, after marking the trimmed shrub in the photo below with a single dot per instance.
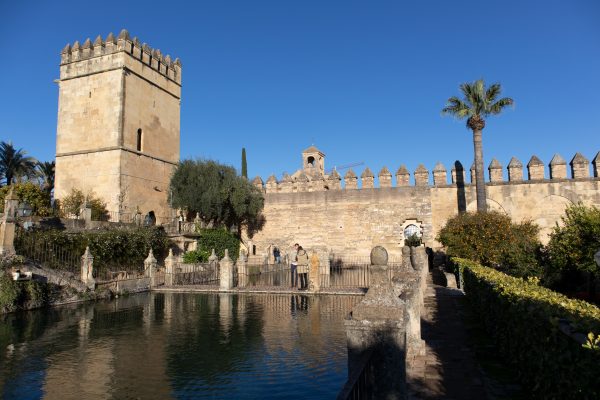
492 239
219 239
525 320
413 240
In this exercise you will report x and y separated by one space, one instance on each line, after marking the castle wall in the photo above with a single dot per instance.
351 220
348 222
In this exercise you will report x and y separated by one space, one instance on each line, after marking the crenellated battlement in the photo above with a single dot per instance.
577 169
153 58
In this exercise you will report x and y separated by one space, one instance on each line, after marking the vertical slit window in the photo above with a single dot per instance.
139 140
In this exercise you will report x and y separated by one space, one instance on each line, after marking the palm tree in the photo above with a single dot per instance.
14 164
45 171
477 104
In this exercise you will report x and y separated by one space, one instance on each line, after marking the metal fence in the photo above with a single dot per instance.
360 381
265 276
48 254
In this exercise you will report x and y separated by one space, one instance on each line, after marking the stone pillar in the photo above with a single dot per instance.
402 176
495 170
7 224
367 179
170 262
226 272
377 325
287 184
580 167
334 181
515 170
385 178
86 214
421 176
439 175
406 261
325 270
558 167
314 273
350 180
242 269
535 169
87 269
473 174
150 264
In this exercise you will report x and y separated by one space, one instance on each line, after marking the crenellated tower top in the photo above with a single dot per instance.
90 52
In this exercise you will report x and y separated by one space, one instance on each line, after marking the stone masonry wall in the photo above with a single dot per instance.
348 222
108 90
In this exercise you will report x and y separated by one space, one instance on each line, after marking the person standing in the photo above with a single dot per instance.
302 259
294 266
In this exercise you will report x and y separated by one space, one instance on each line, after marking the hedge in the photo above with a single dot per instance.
525 321
219 239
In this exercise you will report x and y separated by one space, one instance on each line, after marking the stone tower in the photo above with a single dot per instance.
313 161
118 124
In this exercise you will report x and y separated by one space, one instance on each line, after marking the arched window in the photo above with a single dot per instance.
139 140
311 161
411 230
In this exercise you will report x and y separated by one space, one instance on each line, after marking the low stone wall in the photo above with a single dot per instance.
387 325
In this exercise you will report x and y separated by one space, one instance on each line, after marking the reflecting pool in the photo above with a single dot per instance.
178 345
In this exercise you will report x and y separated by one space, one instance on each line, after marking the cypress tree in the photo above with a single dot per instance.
244 165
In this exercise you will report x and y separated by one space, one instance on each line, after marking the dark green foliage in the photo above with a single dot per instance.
196 256
219 239
9 293
34 294
244 164
413 240
14 164
36 197
570 252
46 171
524 320
217 193
492 239
111 249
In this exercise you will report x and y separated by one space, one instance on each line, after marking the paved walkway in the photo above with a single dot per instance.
449 369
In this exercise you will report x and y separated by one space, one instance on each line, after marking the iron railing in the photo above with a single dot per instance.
50 255
359 385
194 274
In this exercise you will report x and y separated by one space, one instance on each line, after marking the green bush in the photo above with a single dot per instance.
492 239
72 204
35 294
9 293
413 240
37 198
112 249
196 256
219 239
525 320
570 252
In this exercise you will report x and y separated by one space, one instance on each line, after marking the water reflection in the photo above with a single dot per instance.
173 345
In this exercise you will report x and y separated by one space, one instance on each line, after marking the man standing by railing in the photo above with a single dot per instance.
294 266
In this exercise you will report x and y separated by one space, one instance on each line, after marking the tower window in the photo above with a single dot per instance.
311 161
139 140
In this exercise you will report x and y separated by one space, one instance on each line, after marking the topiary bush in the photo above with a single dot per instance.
527 321
492 239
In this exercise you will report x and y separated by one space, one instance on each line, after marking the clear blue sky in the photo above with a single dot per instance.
362 80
